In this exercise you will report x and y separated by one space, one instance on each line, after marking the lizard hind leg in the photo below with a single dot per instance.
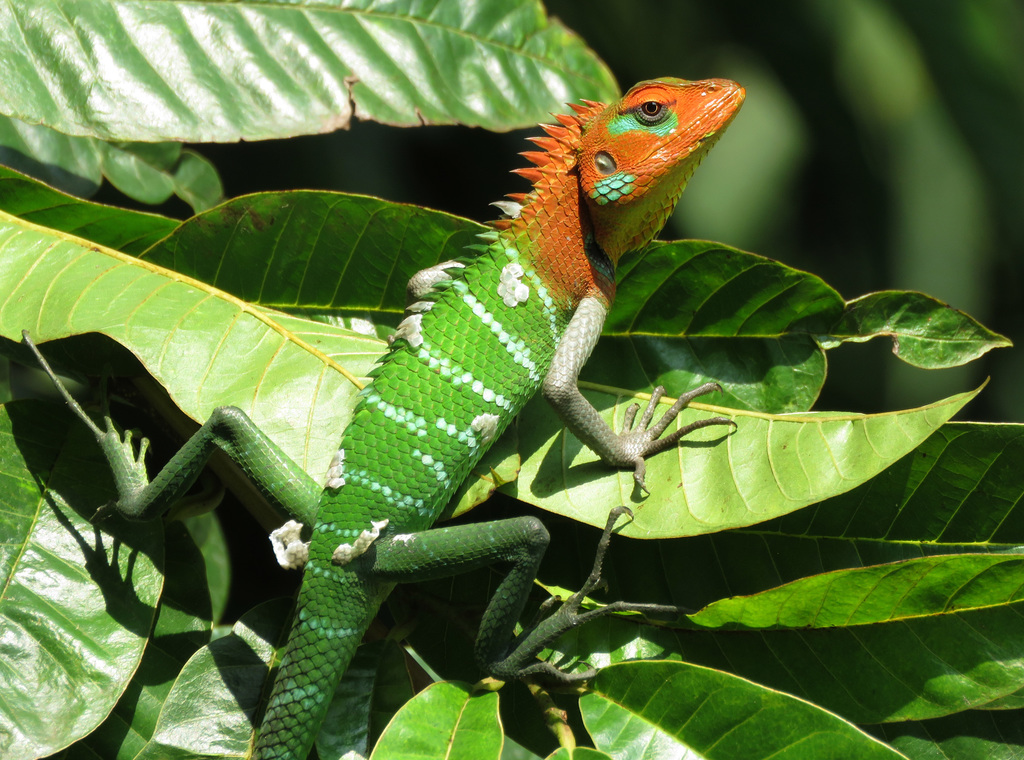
544 631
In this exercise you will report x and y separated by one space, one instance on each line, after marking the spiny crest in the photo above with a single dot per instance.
556 157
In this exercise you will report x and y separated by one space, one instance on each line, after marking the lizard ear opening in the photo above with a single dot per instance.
604 163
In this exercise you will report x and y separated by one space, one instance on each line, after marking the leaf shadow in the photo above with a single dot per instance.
62 459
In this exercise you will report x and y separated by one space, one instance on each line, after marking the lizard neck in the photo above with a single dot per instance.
555 234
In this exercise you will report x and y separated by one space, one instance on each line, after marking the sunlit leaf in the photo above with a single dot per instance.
77 602
121 229
648 709
207 348
443 720
717 477
203 72
925 332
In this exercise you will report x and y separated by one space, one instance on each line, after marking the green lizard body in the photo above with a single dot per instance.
480 339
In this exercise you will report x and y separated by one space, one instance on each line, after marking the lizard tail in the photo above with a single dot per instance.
324 637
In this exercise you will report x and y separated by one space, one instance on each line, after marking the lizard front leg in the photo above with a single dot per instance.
283 483
634 444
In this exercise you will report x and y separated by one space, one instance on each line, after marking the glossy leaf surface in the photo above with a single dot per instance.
655 709
717 477
177 73
77 602
444 720
925 332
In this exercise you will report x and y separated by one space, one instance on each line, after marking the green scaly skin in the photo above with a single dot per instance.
410 444
525 313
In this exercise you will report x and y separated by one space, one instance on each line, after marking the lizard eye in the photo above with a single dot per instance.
652 112
604 163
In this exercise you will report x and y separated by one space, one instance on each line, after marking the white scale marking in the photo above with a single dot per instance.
487 426
345 553
542 292
336 471
289 548
511 288
410 329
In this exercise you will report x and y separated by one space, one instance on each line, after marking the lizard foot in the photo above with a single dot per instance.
129 467
645 439
548 627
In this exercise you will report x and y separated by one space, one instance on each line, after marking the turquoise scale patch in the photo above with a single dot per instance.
398 501
611 188
628 122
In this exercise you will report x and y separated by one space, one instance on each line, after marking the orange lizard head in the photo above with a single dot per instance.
635 156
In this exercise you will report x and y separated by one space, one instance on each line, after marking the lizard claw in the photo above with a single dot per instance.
639 474
104 512
646 440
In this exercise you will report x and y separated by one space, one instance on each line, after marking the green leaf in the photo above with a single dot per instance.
710 290
749 323
77 602
970 735
907 669
183 626
153 172
951 641
305 251
121 229
880 593
69 163
212 705
207 348
774 375
925 332
960 486
209 537
443 720
147 172
308 64
643 709
717 478
578 753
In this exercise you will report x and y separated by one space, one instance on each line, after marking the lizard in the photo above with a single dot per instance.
480 337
